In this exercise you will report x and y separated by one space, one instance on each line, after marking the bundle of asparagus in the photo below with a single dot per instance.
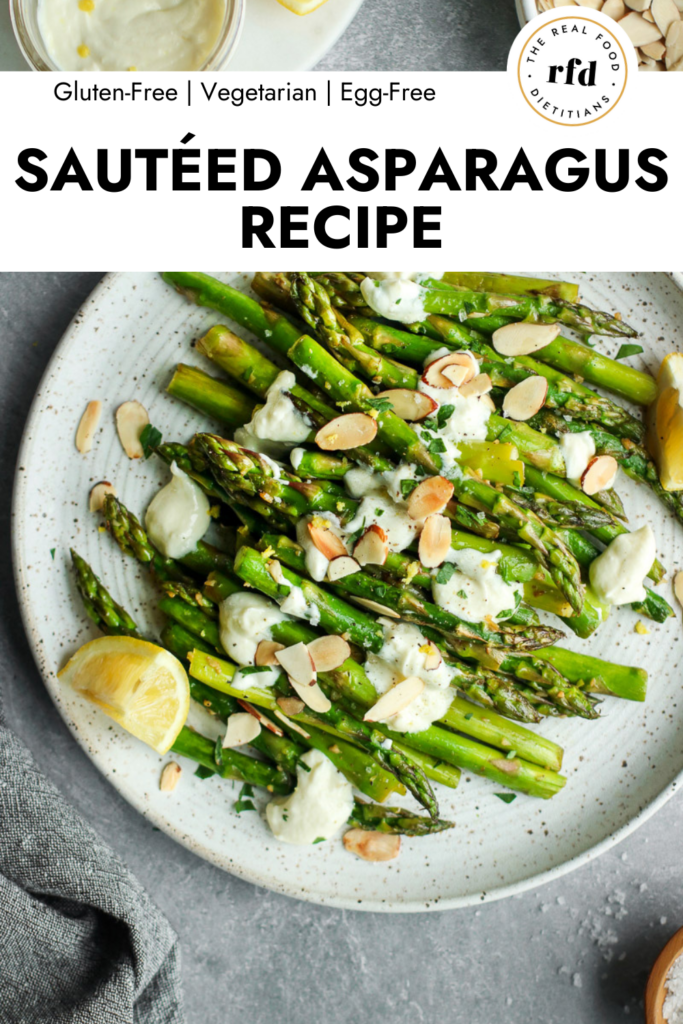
400 514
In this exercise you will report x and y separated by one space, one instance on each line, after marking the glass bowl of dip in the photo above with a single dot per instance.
164 34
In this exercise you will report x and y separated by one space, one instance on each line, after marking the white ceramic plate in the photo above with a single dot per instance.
124 344
273 39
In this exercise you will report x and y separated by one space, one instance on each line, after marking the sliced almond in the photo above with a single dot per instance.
131 420
170 777
635 5
262 719
456 374
435 541
275 570
617 8
593 4
312 696
87 427
488 402
265 653
678 587
329 653
291 705
674 45
373 547
519 339
410 405
297 663
665 14
430 497
655 50
478 386
349 431
432 658
434 371
648 17
395 700
639 30
289 722
599 474
372 846
375 606
242 728
525 399
327 542
98 494
341 567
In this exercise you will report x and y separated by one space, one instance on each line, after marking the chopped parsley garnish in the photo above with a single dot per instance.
52 553
321 839
437 446
629 350
507 798
468 716
443 415
243 803
150 438
202 772
407 487
381 404
445 572
462 594
251 670
379 512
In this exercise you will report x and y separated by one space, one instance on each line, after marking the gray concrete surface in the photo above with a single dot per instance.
393 35
574 952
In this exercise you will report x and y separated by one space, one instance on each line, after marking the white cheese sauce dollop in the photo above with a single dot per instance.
130 35
244 620
318 808
395 298
278 425
577 451
401 656
476 590
316 562
178 515
617 574
381 502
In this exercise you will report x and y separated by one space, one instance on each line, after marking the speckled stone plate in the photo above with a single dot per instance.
124 344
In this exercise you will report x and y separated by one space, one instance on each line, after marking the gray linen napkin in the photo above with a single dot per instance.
80 940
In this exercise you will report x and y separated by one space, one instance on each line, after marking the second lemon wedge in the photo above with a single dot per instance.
665 423
141 686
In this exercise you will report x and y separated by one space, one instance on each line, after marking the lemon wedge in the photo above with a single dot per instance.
141 686
665 423
301 6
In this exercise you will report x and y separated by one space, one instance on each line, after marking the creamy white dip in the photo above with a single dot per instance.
130 35
320 805
476 589
577 450
278 425
178 516
617 574
244 620
395 298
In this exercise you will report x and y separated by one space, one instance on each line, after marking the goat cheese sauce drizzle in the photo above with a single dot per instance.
177 516
577 450
617 574
130 35
278 425
318 808
476 590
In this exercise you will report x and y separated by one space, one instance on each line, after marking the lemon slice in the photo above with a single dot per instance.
301 6
141 686
665 423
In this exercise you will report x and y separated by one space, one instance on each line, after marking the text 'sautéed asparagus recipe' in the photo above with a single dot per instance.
361 587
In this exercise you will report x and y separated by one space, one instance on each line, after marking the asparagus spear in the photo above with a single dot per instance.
506 284
394 820
222 402
235 765
100 606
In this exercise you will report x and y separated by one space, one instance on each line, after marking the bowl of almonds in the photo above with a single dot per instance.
655 27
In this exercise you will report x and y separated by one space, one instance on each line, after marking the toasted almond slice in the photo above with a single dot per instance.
373 547
242 728
327 542
291 705
639 29
648 17
674 45
99 493
656 50
341 567
478 386
430 497
275 570
297 663
312 696
131 420
372 846
87 427
456 373
678 587
349 431
599 474
297 704
432 658
410 405
170 777
434 375
395 699
525 399
329 652
435 540
519 339
375 606
665 14
260 717
265 653
488 402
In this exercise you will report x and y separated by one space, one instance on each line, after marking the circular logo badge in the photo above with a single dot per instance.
572 70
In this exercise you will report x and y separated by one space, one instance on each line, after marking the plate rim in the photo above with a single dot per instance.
18 506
